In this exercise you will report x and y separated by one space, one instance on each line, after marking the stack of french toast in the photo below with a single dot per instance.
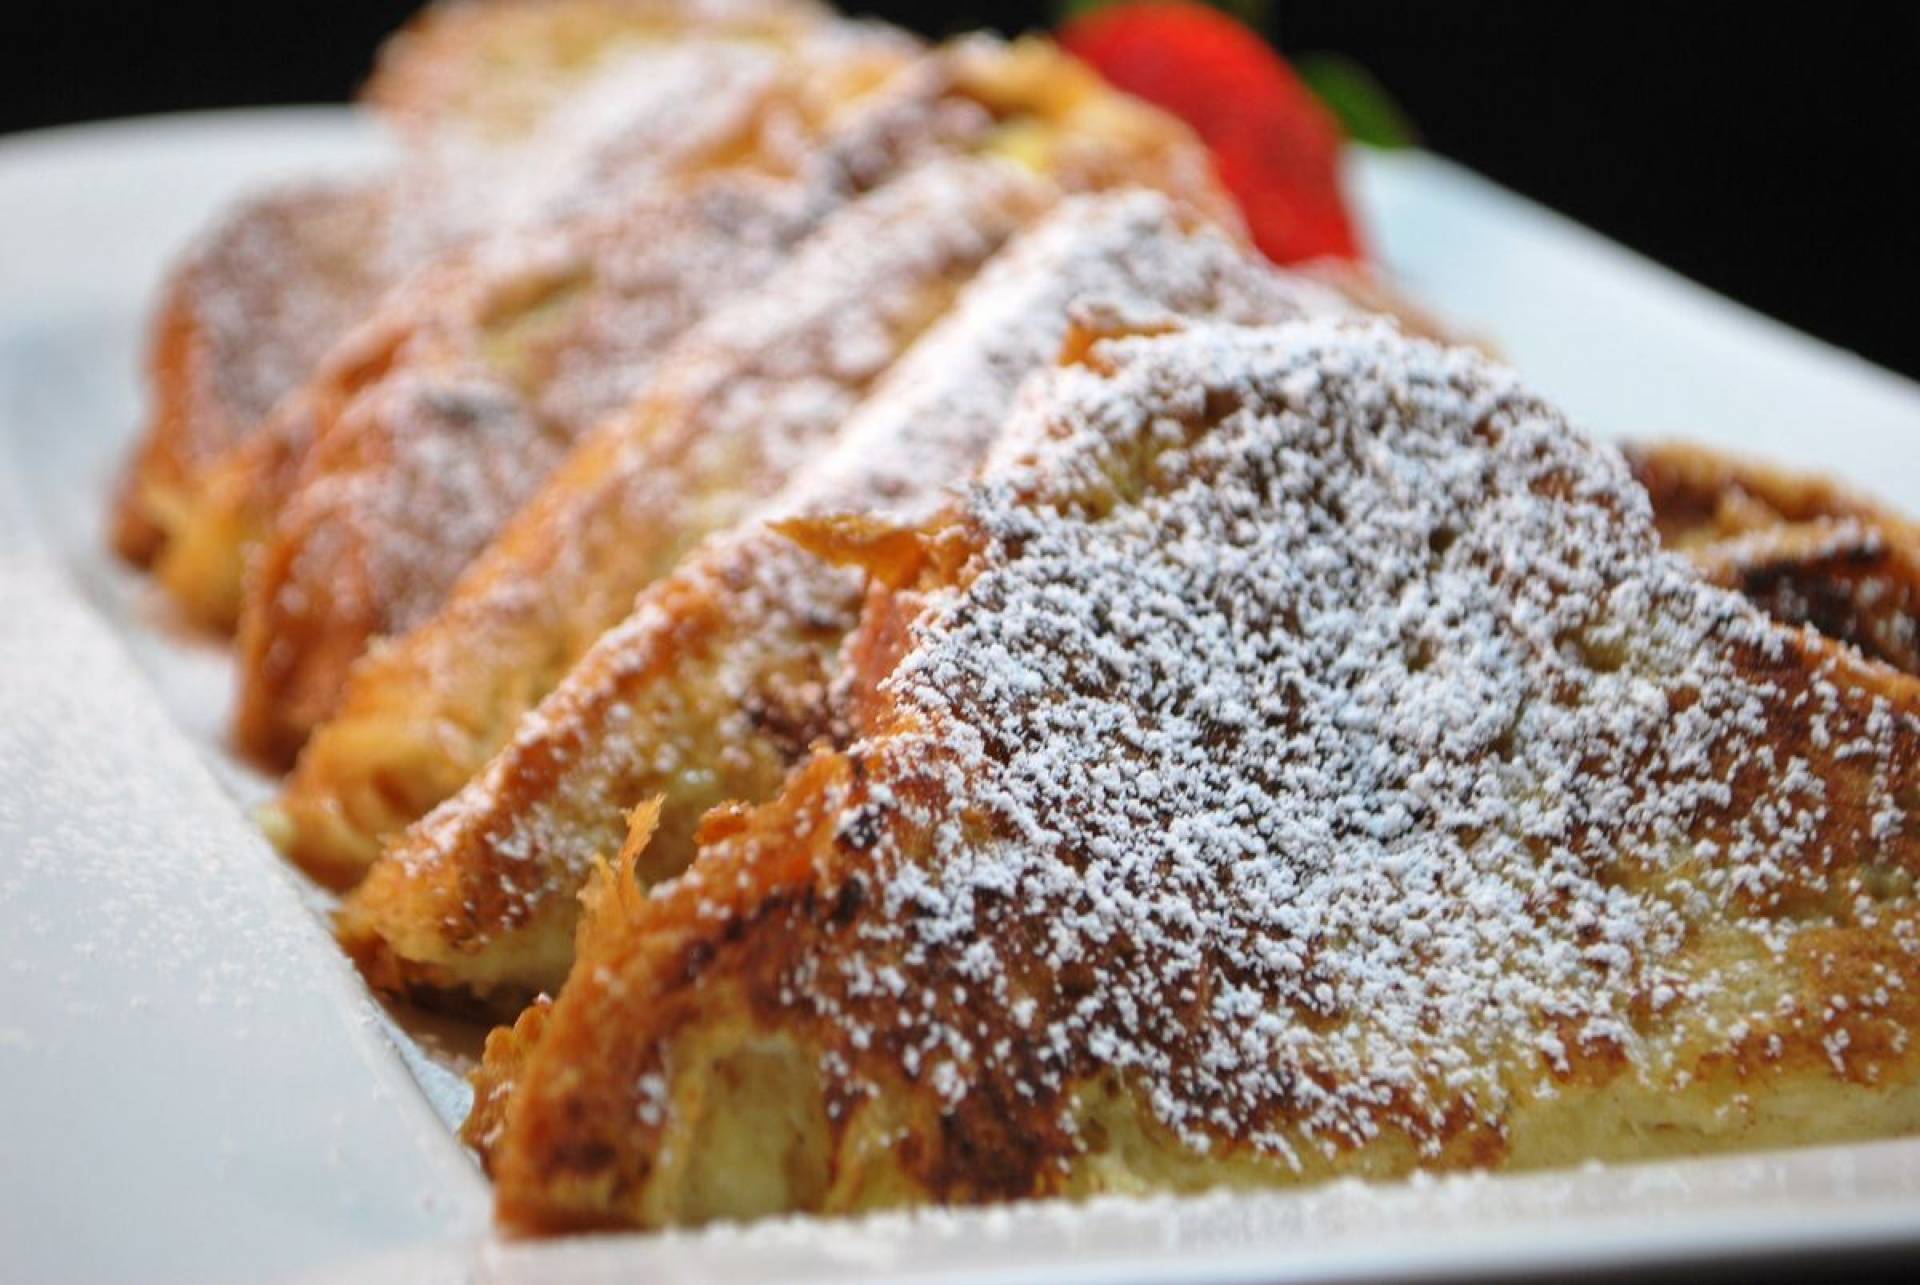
820 580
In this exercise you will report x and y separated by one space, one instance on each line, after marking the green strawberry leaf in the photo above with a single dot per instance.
1365 110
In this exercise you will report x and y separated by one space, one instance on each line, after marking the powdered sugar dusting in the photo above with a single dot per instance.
494 69
269 288
1119 255
542 332
284 275
650 114
769 381
921 430
1359 763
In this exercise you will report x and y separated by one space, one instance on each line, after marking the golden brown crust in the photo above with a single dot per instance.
515 356
707 969
748 392
496 66
136 532
1856 583
1700 494
246 314
1060 119
427 712
717 681
254 308
673 944
1786 1013
1806 550
507 1050
682 701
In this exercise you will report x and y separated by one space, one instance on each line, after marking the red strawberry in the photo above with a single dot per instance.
1277 149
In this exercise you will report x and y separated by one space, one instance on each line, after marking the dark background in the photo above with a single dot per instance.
1761 155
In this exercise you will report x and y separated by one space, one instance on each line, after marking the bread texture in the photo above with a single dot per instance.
721 424
1297 758
721 677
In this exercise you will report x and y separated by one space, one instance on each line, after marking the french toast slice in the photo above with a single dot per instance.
1297 760
252 307
1854 581
503 364
255 306
745 395
1701 495
420 716
1804 548
717 682
496 67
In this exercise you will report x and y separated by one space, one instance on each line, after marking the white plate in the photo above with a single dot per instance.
194 1085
